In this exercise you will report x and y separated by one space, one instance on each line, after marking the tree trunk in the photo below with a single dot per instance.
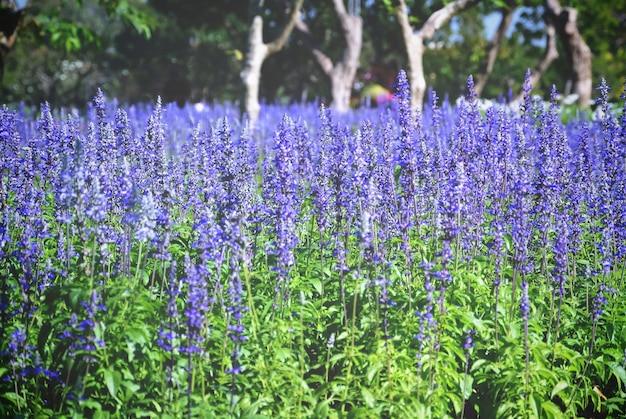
257 52
550 54
578 53
486 66
414 42
8 35
343 73
251 74
414 45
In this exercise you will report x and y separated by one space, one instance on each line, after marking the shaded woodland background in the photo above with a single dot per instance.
194 50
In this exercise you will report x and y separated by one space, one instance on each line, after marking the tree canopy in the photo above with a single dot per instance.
194 50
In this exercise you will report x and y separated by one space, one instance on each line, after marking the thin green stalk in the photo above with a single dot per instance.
139 257
550 315
190 372
526 347
556 328
495 315
587 361
465 373
327 363
17 390
302 351
321 240
352 339
251 308
513 287
163 276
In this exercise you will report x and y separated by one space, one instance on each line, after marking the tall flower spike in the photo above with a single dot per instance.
471 93
197 308
527 87
281 193
403 97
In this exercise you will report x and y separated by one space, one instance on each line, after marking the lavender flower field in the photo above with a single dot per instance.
169 262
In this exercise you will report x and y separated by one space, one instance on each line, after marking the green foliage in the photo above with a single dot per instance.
69 31
137 50
292 369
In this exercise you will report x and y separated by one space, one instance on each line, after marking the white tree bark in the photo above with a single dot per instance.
578 53
257 53
550 54
343 73
251 74
414 42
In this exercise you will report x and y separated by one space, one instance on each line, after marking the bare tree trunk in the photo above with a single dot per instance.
550 54
10 20
578 52
414 42
343 73
486 66
257 52
5 48
251 74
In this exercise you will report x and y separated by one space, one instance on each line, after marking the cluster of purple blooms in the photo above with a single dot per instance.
506 184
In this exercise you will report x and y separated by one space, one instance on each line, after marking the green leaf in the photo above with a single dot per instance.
551 409
317 285
560 386
138 334
131 389
536 405
358 412
101 414
42 338
91 404
368 397
111 381
477 364
321 409
372 371
466 383
619 371
501 4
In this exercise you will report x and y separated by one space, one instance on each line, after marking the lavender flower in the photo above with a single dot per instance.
426 318
197 308
146 223
524 304
84 334
600 301
469 341
405 113
560 249
281 194
320 185
19 352
168 334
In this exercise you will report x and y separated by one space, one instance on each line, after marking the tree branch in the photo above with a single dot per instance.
403 19
279 42
486 66
323 60
550 54
441 16
342 14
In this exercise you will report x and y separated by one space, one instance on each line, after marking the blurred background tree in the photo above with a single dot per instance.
63 51
193 50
